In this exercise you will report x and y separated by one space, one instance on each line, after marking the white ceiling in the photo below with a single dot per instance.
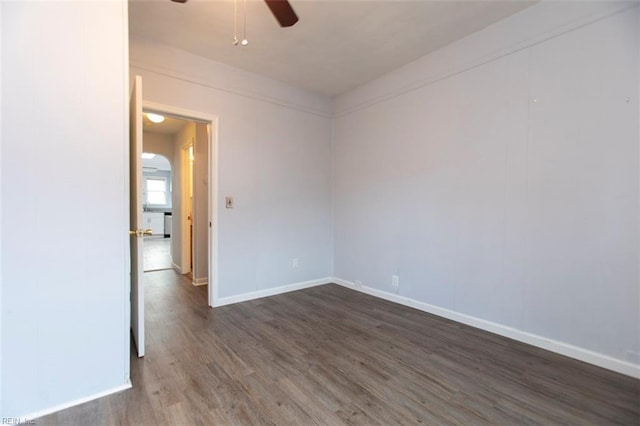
336 46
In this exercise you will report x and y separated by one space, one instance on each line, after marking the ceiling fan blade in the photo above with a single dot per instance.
180 1
283 12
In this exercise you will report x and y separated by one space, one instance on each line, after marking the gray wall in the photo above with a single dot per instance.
275 160
505 191
64 210
482 201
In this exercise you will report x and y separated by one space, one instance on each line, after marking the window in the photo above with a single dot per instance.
155 191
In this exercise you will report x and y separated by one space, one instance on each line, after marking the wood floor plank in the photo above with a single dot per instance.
330 356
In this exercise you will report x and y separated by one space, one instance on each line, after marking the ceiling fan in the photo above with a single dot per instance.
281 9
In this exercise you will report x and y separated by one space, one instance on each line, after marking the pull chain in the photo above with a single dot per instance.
244 31
235 22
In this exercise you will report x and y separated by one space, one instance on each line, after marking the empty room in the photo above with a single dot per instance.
373 212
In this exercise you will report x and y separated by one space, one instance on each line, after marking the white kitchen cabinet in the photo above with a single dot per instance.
155 221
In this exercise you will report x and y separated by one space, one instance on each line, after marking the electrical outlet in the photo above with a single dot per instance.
228 202
358 283
395 281
295 263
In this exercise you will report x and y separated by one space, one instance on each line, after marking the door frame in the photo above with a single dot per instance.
187 261
213 176
136 240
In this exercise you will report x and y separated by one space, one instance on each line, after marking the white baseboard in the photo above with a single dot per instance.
176 267
270 292
79 401
562 348
200 281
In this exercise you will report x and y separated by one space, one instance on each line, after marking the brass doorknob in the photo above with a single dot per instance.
141 232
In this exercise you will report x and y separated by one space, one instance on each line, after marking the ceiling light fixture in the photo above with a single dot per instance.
155 118
147 155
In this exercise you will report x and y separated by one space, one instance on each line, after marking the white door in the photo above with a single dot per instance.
136 223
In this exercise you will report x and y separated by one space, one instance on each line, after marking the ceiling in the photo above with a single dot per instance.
336 46
170 126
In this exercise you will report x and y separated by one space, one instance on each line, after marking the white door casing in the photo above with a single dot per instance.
212 202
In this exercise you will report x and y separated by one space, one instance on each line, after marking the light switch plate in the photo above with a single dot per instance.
228 202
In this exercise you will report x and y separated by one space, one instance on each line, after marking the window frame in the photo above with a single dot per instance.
167 190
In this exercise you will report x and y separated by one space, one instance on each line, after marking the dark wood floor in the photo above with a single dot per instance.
329 355
157 253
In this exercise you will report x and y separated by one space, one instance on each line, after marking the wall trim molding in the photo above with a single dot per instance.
60 407
556 346
200 281
349 103
271 291
244 93
176 267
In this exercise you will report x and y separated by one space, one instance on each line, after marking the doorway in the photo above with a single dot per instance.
157 210
194 156
206 126
191 148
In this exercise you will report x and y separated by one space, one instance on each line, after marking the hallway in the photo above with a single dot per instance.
157 253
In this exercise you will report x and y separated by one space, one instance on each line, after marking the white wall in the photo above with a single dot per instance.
500 182
64 226
159 143
275 160
1 285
